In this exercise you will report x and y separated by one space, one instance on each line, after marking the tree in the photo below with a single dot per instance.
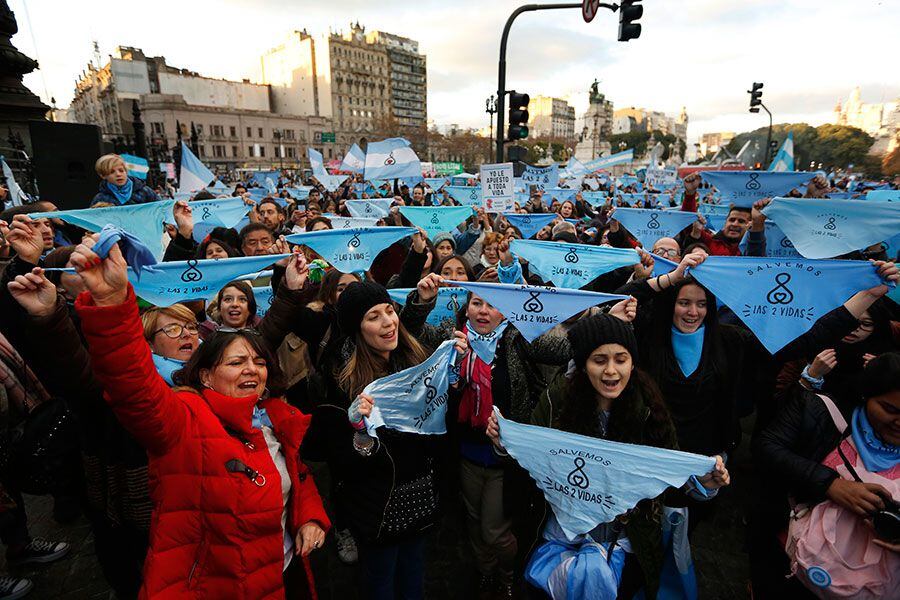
890 165
835 146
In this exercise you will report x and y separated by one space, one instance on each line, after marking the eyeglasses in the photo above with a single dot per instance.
666 252
238 330
175 330
866 325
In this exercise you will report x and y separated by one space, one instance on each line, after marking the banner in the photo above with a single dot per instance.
467 195
209 214
351 250
823 228
661 179
560 194
588 481
572 265
497 187
415 399
541 177
144 221
435 220
373 208
339 222
172 282
648 225
449 301
535 310
605 162
529 224
390 159
743 188
595 199
436 183
331 182
883 196
777 244
780 300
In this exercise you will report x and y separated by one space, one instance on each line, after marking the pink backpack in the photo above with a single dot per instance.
831 548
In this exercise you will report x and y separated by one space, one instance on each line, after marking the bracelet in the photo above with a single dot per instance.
816 383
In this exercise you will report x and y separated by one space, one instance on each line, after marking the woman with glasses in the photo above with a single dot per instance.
173 335
236 513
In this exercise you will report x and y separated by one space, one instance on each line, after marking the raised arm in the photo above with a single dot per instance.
142 401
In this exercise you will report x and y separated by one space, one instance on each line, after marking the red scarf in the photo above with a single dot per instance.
477 399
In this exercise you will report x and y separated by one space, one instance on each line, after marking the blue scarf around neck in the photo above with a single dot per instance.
876 455
688 348
485 346
166 367
121 192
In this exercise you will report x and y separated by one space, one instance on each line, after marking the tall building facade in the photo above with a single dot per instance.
712 142
551 117
881 121
237 123
626 120
367 78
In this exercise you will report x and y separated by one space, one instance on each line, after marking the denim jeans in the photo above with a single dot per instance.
395 571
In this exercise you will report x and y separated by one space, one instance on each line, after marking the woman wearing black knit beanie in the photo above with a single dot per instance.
386 486
607 396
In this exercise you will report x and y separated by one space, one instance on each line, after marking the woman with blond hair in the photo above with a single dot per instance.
118 187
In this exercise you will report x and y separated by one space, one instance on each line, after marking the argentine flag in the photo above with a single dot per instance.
392 158
354 161
316 162
194 175
784 160
137 166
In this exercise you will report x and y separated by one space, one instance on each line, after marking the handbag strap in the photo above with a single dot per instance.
835 413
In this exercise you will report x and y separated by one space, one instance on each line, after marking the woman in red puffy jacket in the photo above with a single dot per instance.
235 510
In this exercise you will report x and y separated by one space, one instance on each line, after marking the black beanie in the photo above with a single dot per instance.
588 333
355 301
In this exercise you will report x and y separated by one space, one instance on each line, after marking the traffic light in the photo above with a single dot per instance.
518 116
755 97
629 12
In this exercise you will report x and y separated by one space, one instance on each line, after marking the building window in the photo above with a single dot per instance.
249 150
233 132
277 152
288 134
219 151
202 149
260 131
216 130
262 150
234 150
158 128
291 152
250 135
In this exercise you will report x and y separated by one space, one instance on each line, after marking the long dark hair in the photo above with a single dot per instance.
210 352
638 416
246 289
436 268
848 377
659 345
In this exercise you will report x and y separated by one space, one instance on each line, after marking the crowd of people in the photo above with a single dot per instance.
214 444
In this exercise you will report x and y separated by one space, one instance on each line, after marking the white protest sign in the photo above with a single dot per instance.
541 178
661 178
497 187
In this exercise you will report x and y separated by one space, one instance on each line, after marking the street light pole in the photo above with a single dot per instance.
490 107
501 66
767 155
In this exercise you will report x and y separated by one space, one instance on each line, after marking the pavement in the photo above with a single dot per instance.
718 552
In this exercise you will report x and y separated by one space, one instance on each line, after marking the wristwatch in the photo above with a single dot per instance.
815 383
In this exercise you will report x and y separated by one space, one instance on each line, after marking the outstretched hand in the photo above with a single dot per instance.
34 292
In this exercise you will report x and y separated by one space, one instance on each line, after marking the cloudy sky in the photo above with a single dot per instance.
701 54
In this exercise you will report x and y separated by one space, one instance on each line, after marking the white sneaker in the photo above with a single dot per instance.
13 588
346 547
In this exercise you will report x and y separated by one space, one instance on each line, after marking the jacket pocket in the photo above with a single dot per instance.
196 571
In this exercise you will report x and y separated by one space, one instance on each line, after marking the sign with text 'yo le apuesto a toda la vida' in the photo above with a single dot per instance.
497 187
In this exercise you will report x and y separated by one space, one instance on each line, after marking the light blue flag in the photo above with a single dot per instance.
392 158
529 224
415 399
299 192
648 225
258 193
219 188
575 167
316 162
541 177
136 166
331 182
637 199
823 228
883 195
209 214
354 161
588 481
435 220
743 188
780 299
351 250
436 183
605 162
784 160
143 221
595 199
194 174
560 194
264 297
449 300
467 195
180 281
534 310
373 208
260 178
16 196
339 222
572 265
777 244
